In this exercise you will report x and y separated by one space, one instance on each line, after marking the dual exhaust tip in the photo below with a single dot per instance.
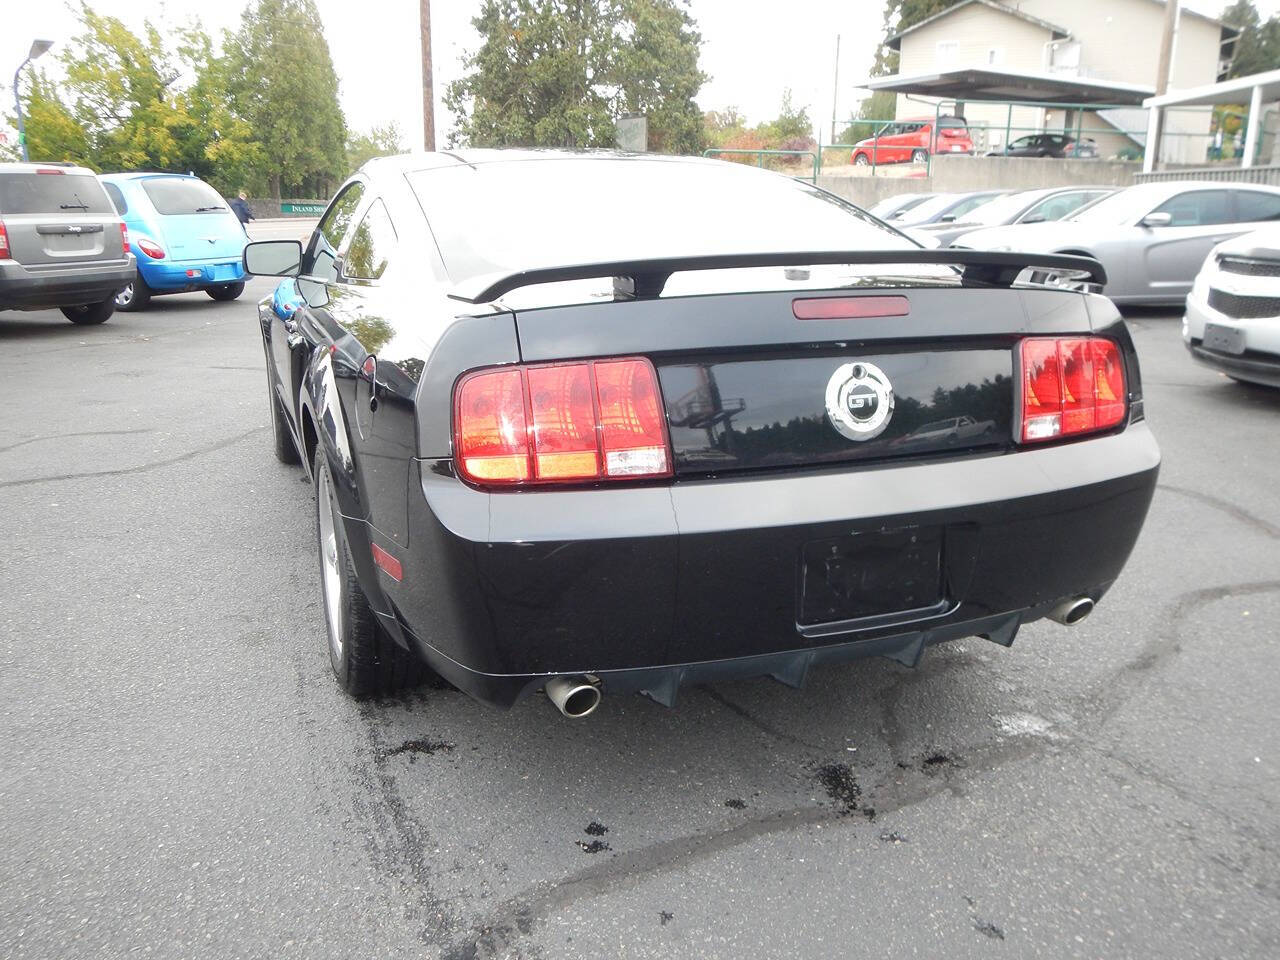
1070 612
574 697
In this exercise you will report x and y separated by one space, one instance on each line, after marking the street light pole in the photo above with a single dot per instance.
38 48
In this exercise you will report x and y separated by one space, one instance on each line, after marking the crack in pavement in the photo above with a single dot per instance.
67 436
1227 507
761 725
141 468
517 916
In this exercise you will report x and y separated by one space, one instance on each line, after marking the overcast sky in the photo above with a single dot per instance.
751 57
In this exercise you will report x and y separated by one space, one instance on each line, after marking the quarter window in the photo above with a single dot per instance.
117 198
371 244
1198 208
1253 206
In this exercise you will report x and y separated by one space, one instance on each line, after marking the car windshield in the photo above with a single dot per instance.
1124 207
1002 210
179 195
522 214
924 212
53 192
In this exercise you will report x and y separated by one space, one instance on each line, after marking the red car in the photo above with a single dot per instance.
914 140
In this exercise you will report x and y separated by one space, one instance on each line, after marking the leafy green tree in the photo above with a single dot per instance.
558 73
281 82
1257 47
52 132
119 89
378 142
655 68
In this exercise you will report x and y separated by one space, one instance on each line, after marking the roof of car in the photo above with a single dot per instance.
140 174
422 160
47 165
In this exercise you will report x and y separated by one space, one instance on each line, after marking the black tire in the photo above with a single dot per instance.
366 662
919 156
90 313
136 296
226 291
281 438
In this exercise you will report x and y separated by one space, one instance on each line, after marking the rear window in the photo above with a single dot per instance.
177 195
522 214
952 123
53 193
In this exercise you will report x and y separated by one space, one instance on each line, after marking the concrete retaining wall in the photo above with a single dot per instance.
965 174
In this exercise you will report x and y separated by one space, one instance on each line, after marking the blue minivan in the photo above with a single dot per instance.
182 232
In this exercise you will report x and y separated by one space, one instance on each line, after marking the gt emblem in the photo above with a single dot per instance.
859 400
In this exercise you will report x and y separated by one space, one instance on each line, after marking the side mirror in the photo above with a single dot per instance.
273 258
1034 218
947 218
1156 220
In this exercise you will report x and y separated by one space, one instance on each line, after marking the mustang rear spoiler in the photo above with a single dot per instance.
648 277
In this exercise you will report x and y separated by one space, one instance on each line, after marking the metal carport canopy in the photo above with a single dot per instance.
1260 87
1002 86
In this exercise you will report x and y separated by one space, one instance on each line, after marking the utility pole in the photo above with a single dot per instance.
1166 46
428 92
835 93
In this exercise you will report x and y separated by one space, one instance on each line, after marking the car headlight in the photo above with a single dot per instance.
1200 289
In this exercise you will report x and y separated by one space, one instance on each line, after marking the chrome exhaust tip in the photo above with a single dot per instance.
1070 612
575 697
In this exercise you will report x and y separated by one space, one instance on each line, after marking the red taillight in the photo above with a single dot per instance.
1070 386
150 247
124 239
561 423
4 242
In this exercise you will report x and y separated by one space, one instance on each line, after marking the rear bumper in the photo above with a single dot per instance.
650 587
63 284
175 276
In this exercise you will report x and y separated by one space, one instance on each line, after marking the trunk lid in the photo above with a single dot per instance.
748 386
56 217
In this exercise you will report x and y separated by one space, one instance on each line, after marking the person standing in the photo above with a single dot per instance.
240 207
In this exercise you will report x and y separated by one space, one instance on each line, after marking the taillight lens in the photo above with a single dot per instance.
149 247
561 423
1070 386
4 242
124 239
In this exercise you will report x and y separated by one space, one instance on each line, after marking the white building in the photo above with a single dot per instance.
1106 40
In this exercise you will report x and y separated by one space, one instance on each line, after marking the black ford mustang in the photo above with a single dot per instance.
604 423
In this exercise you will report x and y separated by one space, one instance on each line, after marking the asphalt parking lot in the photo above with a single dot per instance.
180 776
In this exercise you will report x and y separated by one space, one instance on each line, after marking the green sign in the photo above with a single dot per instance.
309 209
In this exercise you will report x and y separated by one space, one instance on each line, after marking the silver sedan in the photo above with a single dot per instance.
1152 238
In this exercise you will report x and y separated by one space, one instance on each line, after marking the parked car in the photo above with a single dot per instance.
61 243
551 455
1049 145
891 207
946 208
1029 206
1232 321
913 141
184 236
1152 238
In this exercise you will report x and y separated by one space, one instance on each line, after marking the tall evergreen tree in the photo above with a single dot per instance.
1258 45
558 73
282 83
